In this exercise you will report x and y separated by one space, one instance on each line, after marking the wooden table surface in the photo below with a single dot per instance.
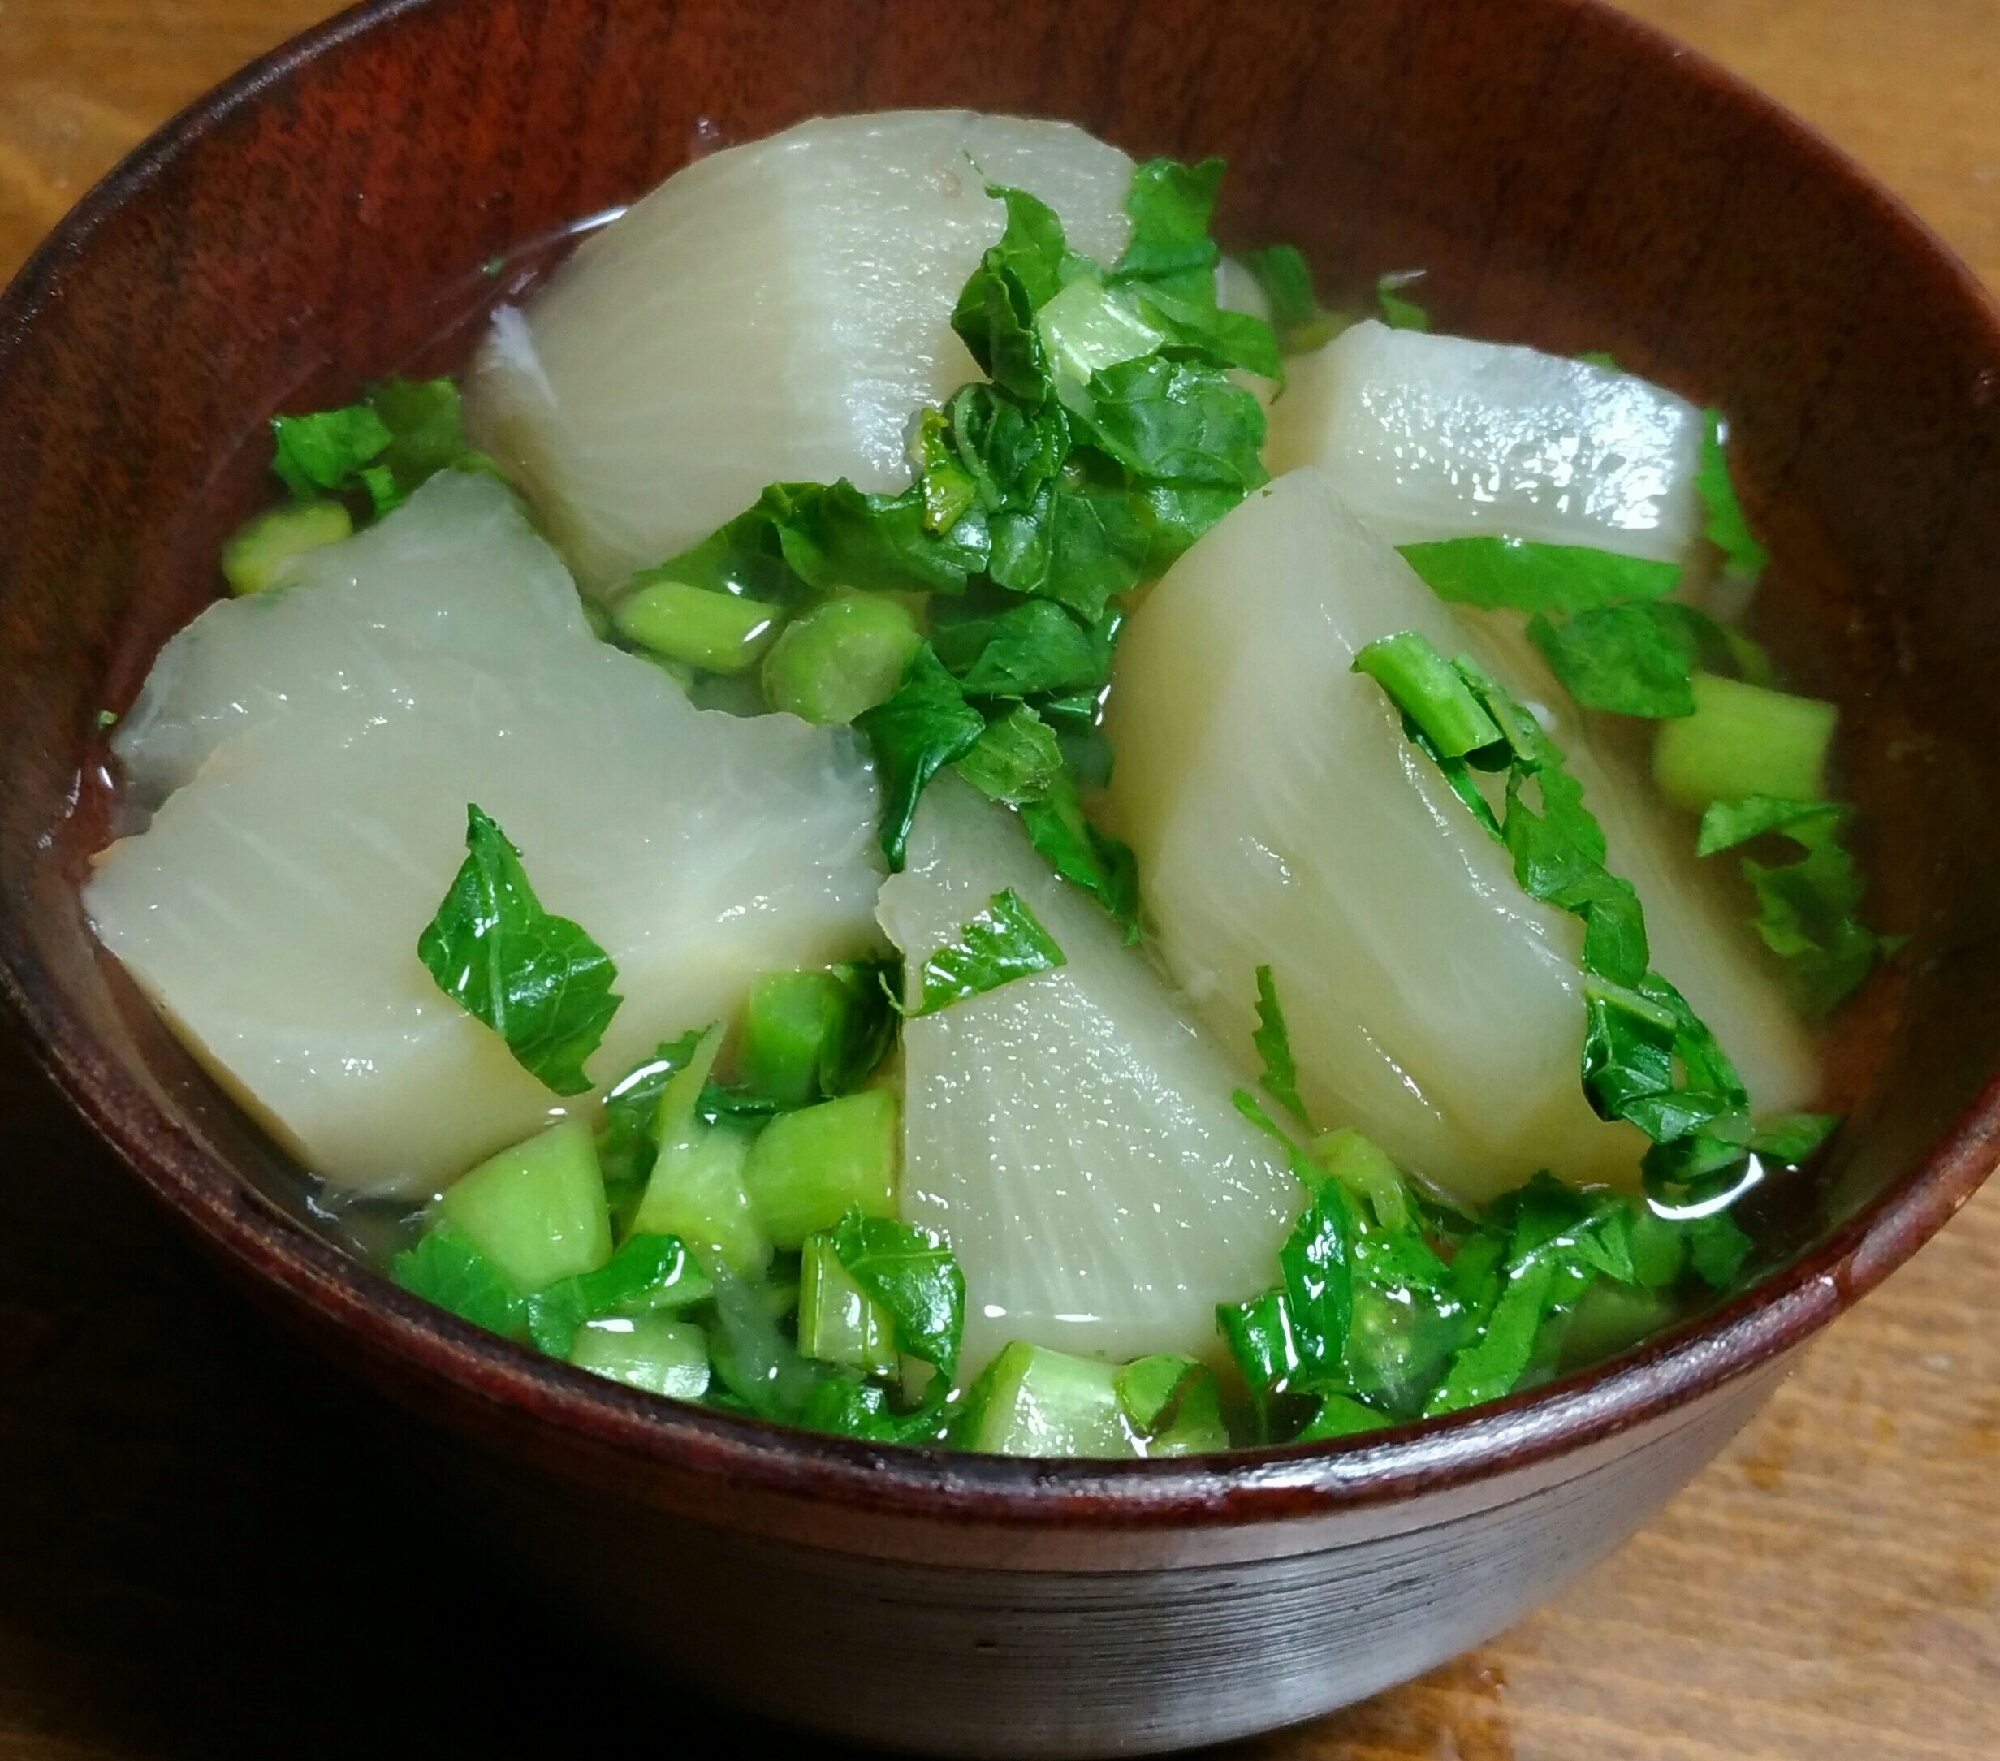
198 1554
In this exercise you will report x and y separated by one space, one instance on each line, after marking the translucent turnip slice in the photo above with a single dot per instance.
322 743
1429 437
775 311
1281 817
1071 1134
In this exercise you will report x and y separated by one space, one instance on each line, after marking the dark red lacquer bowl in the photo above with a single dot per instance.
1569 179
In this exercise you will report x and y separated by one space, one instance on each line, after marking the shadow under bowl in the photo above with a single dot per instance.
1567 178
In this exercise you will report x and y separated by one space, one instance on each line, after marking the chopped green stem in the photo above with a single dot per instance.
1430 691
808 1169
263 550
837 1322
841 658
1743 740
718 632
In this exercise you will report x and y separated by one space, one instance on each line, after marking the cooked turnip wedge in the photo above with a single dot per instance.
1071 1134
1280 816
773 312
1430 437
322 741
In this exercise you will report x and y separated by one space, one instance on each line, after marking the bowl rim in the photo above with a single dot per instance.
249 1231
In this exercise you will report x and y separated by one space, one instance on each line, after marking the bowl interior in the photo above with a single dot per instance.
1559 174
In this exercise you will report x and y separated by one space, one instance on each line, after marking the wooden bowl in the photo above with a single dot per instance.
1568 178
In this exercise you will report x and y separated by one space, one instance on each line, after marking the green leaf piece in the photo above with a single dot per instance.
1016 760
536 979
1625 659
911 1274
1274 1045
1726 824
1171 204
1717 1250
1287 280
1085 857
328 449
445 1268
1400 312
924 727
628 1144
648 1273
1514 574
1341 1415
1727 528
1177 420
1003 943
385 447
1808 910
948 488
1033 648
1318 1274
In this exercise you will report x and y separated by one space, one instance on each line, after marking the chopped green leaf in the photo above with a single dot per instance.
1726 529
1150 1388
1170 205
1341 1415
1089 326
1725 824
912 1276
1003 943
1010 451
1626 659
536 979
1274 1046
648 1273
924 727
1033 648
1177 420
445 1268
386 446
1318 1275
1263 1342
1791 1137
1287 280
949 489
1492 573
1399 312
995 314
1717 1249
1365 1169
628 1144
1197 329
1808 909
426 431
835 536
1032 248
1085 857
1489 1368
1077 546
327 450
1016 760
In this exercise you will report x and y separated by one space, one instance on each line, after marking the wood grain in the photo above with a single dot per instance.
1828 1591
